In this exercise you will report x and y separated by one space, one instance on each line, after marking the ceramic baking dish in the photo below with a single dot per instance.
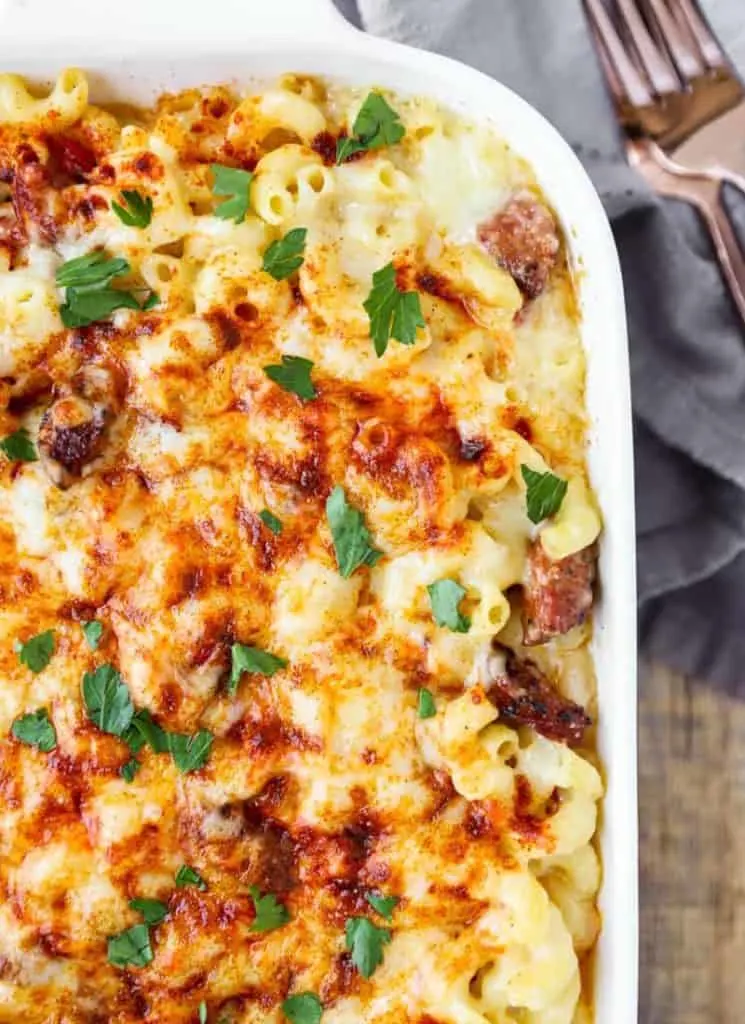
144 47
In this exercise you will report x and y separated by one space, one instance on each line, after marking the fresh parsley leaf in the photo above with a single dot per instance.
293 375
150 302
107 700
270 913
304 1008
190 752
91 271
138 211
203 1012
365 941
36 730
425 704
385 905
270 521
350 535
153 911
144 730
131 948
188 876
130 769
19 447
445 596
544 495
92 631
251 659
377 124
392 313
37 652
85 307
233 182
88 297
285 255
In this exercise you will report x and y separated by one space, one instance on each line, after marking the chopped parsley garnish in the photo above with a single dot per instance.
18 446
107 700
130 769
285 255
37 652
95 270
377 125
425 704
393 313
270 913
304 1008
365 941
545 493
109 705
293 375
188 876
36 730
190 753
350 535
251 659
83 308
144 730
131 948
236 184
137 211
92 631
153 911
385 905
89 296
270 521
445 596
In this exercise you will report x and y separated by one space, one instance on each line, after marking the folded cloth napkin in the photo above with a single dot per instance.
687 344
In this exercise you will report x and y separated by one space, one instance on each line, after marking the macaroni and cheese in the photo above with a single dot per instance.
296 559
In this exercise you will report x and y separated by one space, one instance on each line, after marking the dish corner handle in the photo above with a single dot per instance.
37 22
295 19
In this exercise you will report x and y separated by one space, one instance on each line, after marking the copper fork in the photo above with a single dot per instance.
681 108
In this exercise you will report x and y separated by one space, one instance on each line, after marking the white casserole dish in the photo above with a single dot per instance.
149 46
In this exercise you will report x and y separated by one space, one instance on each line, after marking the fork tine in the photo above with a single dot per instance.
624 81
676 12
652 58
681 48
707 42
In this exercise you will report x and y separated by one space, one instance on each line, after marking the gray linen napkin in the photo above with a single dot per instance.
687 344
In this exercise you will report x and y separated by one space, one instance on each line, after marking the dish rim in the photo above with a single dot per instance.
308 36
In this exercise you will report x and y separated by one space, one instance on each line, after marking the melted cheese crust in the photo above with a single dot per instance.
322 784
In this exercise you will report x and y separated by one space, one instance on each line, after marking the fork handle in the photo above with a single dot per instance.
703 190
728 249
718 147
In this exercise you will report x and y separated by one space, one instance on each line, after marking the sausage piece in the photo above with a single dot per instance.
11 236
524 696
39 207
557 595
73 428
523 238
70 160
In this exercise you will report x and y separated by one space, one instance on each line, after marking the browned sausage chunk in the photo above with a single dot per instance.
523 238
557 595
38 206
524 696
73 428
70 436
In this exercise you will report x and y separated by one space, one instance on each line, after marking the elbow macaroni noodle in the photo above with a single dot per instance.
65 104
322 781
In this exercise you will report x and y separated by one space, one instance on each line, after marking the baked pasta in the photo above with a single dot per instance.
297 552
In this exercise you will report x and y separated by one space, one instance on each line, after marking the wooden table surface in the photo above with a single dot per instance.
692 859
